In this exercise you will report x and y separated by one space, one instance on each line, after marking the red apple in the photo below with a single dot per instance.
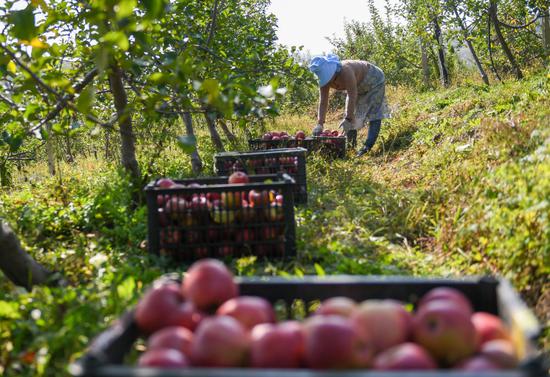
163 358
225 250
489 327
331 342
477 364
211 196
170 237
164 306
244 235
277 345
200 252
501 352
165 183
258 199
175 207
248 213
248 310
178 338
405 356
209 284
300 135
385 323
238 177
342 306
267 136
445 329
447 293
220 341
275 137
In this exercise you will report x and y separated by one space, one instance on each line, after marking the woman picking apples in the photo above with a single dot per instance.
365 86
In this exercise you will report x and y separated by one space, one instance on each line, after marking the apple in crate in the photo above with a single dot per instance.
248 310
277 345
164 306
447 293
165 183
238 177
478 364
501 352
220 341
178 338
405 356
332 342
208 284
385 323
163 358
445 329
489 327
342 306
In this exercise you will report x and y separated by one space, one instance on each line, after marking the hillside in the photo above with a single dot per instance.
458 184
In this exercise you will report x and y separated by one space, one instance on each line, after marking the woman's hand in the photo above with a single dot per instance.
317 130
346 125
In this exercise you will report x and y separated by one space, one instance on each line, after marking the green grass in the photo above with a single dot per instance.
458 183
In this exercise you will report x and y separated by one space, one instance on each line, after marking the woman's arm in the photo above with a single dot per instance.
350 83
323 104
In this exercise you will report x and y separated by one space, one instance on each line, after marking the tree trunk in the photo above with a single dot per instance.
16 264
214 135
127 148
545 21
196 162
108 154
443 72
50 151
230 135
70 157
425 66
494 18
470 45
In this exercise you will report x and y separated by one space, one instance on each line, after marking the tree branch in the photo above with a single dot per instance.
63 102
19 266
535 18
30 72
214 16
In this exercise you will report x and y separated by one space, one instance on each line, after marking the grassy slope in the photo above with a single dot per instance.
458 184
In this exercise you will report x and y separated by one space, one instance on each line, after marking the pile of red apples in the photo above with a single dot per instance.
231 220
203 322
263 165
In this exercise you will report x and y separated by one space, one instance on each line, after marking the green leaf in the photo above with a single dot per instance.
9 310
154 8
12 67
85 100
117 38
320 271
23 23
57 128
187 143
126 289
125 8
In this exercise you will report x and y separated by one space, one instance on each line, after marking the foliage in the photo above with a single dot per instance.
59 62
394 42
457 184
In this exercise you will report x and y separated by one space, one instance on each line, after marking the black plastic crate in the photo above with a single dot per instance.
285 160
204 217
332 146
105 356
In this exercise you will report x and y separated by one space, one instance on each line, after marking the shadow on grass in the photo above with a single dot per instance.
353 225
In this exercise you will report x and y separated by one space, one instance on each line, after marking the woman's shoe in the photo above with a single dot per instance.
362 151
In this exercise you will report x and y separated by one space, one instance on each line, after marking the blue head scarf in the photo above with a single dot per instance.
325 67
